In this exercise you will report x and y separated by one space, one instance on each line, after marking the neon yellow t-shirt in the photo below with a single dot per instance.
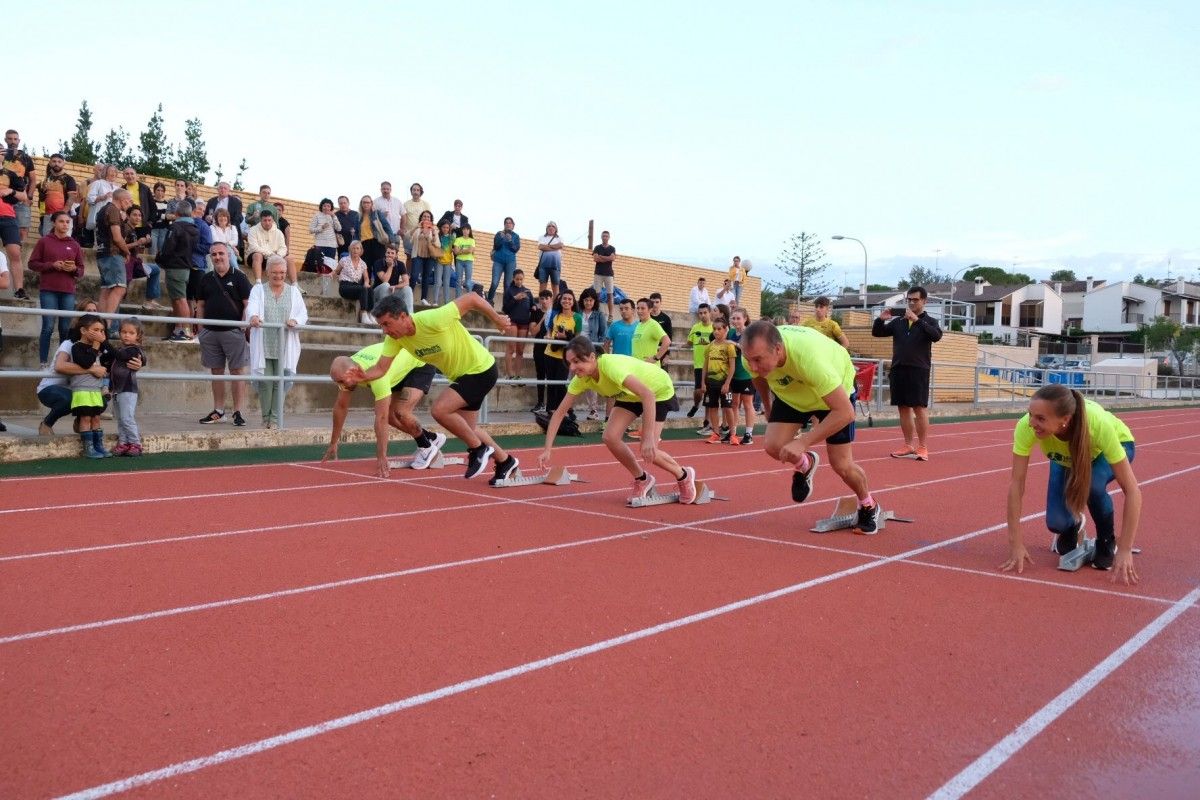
699 337
646 338
465 241
402 364
1107 433
614 369
815 366
717 358
829 326
441 340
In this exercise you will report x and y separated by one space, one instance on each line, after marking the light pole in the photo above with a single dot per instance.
864 247
954 285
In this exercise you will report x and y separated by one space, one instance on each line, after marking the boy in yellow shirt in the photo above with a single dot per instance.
720 359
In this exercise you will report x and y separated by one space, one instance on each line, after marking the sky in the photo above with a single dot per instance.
1027 135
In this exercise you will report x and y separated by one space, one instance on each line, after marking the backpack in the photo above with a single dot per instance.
314 260
569 426
177 249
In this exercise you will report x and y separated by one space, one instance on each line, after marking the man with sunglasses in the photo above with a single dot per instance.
913 335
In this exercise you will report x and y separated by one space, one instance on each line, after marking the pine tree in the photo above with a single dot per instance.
237 179
191 160
80 148
156 155
803 262
115 149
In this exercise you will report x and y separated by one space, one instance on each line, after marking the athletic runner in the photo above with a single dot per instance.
800 372
396 395
640 388
1087 447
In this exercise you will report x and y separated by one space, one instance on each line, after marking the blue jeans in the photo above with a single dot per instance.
58 400
1059 518
737 292
466 273
443 291
424 271
500 270
153 272
54 301
157 237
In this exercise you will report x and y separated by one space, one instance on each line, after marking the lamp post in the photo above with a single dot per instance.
864 247
954 285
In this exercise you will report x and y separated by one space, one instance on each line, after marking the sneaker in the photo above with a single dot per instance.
213 416
593 414
687 486
802 482
714 439
477 459
692 411
538 409
868 520
637 434
724 429
152 305
425 455
134 450
21 294
642 488
922 453
1106 551
1066 542
121 450
704 430
734 440
504 470
908 451
179 336
747 439
726 436
238 419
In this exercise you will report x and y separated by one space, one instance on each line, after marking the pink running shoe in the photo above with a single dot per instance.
687 486
642 488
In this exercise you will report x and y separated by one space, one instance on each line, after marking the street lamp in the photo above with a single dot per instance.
954 285
864 247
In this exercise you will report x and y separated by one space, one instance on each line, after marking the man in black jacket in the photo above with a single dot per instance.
227 200
175 259
913 336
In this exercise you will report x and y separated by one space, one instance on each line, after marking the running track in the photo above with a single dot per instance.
306 630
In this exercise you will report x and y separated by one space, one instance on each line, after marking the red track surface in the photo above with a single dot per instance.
477 634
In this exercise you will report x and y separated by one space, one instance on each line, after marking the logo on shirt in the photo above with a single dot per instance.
421 352
786 380
1059 458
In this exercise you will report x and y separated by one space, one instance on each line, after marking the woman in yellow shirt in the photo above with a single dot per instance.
1087 447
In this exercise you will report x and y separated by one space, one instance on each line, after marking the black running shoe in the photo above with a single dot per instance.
504 470
212 417
868 520
1066 542
238 419
1106 551
21 294
802 482
477 459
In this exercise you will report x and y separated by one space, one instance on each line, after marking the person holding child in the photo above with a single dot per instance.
87 390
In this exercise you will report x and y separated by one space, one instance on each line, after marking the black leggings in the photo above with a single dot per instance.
556 370
353 290
539 366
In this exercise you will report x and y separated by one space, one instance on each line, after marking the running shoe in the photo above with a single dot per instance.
747 438
213 417
538 409
704 430
726 436
121 450
868 520
724 429
425 455
714 439
21 294
687 486
238 419
634 434
802 482
1064 543
642 488
134 450
477 459
1106 551
593 414
922 453
504 470
733 440
152 305
908 451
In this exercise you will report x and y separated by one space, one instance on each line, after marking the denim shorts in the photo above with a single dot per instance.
112 271
23 214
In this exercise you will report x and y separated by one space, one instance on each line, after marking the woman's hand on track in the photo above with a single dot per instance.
1123 568
544 459
1017 559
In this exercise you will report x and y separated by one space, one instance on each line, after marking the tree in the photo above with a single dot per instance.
115 149
191 160
1064 275
997 276
772 304
237 179
80 148
1145 281
879 287
157 153
922 276
1165 334
803 262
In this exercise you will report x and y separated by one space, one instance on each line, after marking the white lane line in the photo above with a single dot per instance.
1007 747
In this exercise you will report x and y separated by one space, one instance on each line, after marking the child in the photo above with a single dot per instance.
125 388
719 361
699 337
445 266
741 385
464 258
87 399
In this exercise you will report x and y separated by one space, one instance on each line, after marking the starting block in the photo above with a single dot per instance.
1083 553
845 515
703 495
439 462
557 476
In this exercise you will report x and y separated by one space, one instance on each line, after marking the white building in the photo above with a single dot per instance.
1003 310
1121 306
1072 294
1181 302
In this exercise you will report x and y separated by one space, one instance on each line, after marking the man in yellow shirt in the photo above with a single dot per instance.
823 322
396 395
438 337
798 372
640 388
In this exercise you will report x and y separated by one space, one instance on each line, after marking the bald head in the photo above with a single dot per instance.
339 370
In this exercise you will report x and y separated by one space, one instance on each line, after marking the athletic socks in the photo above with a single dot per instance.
423 438
867 501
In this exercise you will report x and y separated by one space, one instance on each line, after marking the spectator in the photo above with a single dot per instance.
10 232
698 296
651 343
175 258
221 297
161 224
274 302
18 163
354 281
464 255
57 192
539 321
224 229
111 251
604 254
373 231
726 297
137 236
392 209
793 315
228 201
742 385
738 272
505 245
325 228
391 278
444 276
175 208
661 316
349 220
565 324
53 391
456 218
263 203
549 267
100 193
699 337
413 209
720 358
201 251
823 322
426 248
913 336
143 195
193 193
87 397
619 336
58 260
129 358
518 307
263 241
595 324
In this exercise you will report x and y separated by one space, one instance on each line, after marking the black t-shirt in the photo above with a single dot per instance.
107 217
665 320
604 250
381 266
518 303
283 225
219 295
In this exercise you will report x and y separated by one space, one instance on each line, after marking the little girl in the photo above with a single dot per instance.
464 259
125 388
87 400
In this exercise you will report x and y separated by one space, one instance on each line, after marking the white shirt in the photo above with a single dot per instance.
393 209
697 297
227 235
726 296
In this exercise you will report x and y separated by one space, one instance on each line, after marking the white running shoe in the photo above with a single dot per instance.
425 455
